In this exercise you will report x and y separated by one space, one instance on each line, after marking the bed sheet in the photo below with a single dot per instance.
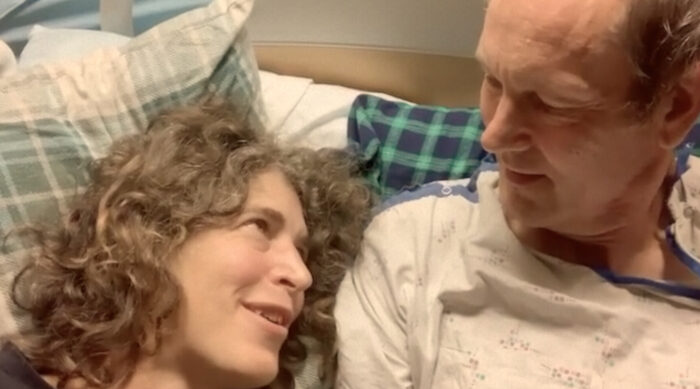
320 117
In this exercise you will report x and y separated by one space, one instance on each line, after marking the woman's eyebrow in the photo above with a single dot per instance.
278 218
269 213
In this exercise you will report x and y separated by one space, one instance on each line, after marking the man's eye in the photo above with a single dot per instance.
493 82
542 106
545 107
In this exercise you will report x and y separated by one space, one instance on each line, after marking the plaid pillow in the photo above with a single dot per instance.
56 118
404 145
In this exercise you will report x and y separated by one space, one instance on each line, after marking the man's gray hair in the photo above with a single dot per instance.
663 37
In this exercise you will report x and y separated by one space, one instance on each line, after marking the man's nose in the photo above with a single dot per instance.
505 131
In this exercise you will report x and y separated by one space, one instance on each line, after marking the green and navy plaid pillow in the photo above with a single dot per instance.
693 139
404 145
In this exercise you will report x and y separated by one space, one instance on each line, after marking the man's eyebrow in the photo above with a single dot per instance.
564 82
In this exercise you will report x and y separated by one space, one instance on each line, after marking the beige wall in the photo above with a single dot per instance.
421 78
447 27
420 50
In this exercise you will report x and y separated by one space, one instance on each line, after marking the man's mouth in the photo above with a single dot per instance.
518 178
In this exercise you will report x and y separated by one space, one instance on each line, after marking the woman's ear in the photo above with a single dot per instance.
682 108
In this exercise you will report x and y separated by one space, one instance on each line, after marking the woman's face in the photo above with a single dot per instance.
242 288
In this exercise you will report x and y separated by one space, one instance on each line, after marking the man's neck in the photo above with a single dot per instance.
635 246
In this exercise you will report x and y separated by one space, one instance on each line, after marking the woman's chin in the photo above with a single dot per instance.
258 370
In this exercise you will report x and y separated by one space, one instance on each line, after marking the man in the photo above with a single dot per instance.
575 264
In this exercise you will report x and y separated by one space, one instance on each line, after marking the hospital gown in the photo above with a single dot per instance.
444 296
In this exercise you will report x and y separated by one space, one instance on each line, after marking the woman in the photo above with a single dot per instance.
188 263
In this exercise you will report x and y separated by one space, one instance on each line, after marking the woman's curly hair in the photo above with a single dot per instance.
98 287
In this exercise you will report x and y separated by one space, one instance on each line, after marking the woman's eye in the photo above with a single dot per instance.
260 224
303 253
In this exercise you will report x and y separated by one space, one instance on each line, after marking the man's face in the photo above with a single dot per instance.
571 154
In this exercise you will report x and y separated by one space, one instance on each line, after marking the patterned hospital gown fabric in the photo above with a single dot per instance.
443 296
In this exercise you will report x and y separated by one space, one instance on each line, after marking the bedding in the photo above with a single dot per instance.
298 110
404 145
16 25
7 59
281 96
54 44
7 6
57 117
47 45
321 115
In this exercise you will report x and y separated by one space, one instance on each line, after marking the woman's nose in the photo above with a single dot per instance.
292 271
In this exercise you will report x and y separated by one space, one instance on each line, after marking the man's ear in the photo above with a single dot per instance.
682 109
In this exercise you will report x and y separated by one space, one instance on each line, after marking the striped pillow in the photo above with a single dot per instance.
56 118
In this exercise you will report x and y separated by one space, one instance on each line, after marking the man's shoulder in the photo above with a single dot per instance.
435 202
465 191
420 207
428 194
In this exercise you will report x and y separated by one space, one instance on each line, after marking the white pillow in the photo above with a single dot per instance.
320 119
7 6
54 44
301 112
280 94
7 59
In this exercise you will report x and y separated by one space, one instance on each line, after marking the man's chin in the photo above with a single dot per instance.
529 211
